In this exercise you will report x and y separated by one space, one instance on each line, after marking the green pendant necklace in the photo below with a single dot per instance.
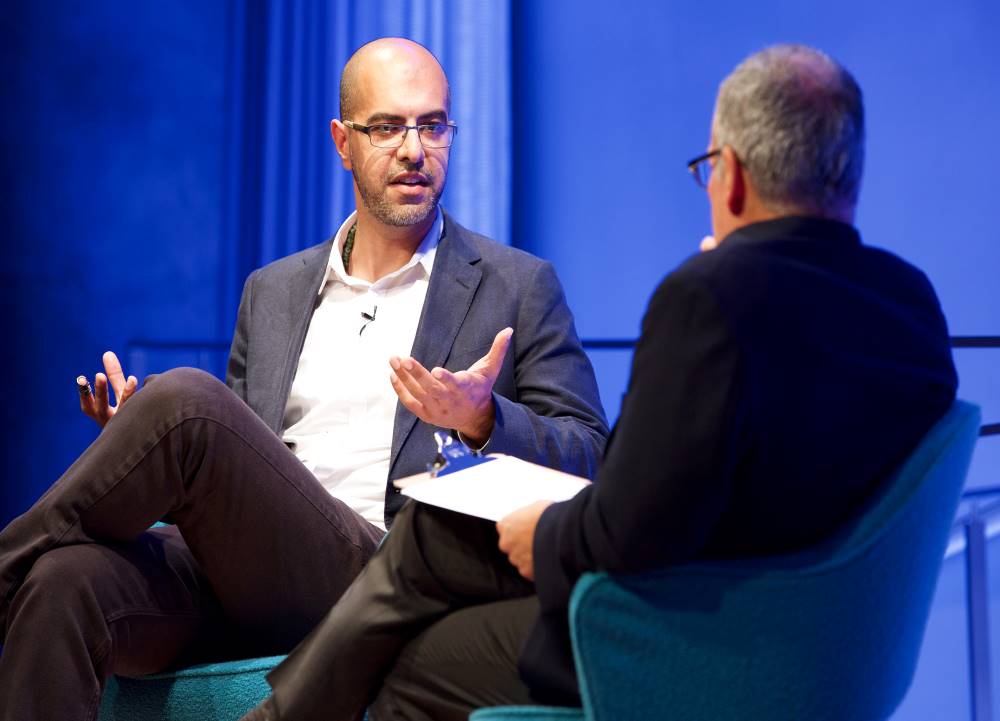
348 247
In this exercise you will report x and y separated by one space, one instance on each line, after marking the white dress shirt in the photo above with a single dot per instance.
341 408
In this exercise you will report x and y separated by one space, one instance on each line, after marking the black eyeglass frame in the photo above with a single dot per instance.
367 130
694 166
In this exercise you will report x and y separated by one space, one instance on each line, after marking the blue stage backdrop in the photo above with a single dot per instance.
151 155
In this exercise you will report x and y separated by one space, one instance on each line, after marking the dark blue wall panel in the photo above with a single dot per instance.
112 144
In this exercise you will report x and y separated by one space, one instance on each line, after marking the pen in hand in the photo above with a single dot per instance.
83 386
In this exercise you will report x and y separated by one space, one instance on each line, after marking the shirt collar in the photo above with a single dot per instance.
424 254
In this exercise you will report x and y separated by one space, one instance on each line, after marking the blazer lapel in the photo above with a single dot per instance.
289 331
454 280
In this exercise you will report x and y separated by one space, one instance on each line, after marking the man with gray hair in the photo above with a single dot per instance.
794 120
779 379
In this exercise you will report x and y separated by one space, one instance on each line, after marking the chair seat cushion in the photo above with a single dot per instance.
218 691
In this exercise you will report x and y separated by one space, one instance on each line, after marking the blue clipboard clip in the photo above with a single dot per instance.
452 455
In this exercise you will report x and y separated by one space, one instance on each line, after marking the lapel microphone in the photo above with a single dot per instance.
367 318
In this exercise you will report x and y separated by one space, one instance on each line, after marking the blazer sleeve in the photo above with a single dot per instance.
236 368
667 474
557 419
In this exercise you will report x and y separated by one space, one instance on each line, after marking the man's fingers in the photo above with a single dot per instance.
404 385
503 540
412 386
420 374
88 402
83 387
101 392
87 405
130 385
418 380
491 362
112 366
115 376
446 378
406 398
524 565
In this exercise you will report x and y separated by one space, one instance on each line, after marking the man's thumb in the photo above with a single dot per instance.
494 359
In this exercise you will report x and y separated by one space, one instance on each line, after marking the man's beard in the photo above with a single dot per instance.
378 204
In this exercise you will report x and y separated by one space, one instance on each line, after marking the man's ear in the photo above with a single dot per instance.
733 181
338 131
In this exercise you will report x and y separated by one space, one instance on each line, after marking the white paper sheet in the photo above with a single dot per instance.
494 489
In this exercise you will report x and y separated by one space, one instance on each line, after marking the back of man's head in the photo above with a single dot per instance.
795 119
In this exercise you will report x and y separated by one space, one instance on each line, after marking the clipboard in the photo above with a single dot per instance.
489 486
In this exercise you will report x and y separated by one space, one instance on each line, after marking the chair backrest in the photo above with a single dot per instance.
830 633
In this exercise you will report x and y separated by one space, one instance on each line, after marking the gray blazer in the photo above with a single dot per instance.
547 406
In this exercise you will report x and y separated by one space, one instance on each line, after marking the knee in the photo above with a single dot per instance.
185 389
182 381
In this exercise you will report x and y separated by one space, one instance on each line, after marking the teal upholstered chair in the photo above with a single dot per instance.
830 633
216 691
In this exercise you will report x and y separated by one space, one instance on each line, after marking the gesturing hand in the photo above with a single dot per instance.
517 536
97 405
461 400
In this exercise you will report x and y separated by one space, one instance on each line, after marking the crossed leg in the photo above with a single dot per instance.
264 546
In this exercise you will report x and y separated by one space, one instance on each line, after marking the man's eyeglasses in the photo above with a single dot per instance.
391 135
700 167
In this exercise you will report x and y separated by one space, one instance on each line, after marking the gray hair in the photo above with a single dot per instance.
795 119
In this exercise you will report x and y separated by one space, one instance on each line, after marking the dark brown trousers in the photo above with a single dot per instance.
258 555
